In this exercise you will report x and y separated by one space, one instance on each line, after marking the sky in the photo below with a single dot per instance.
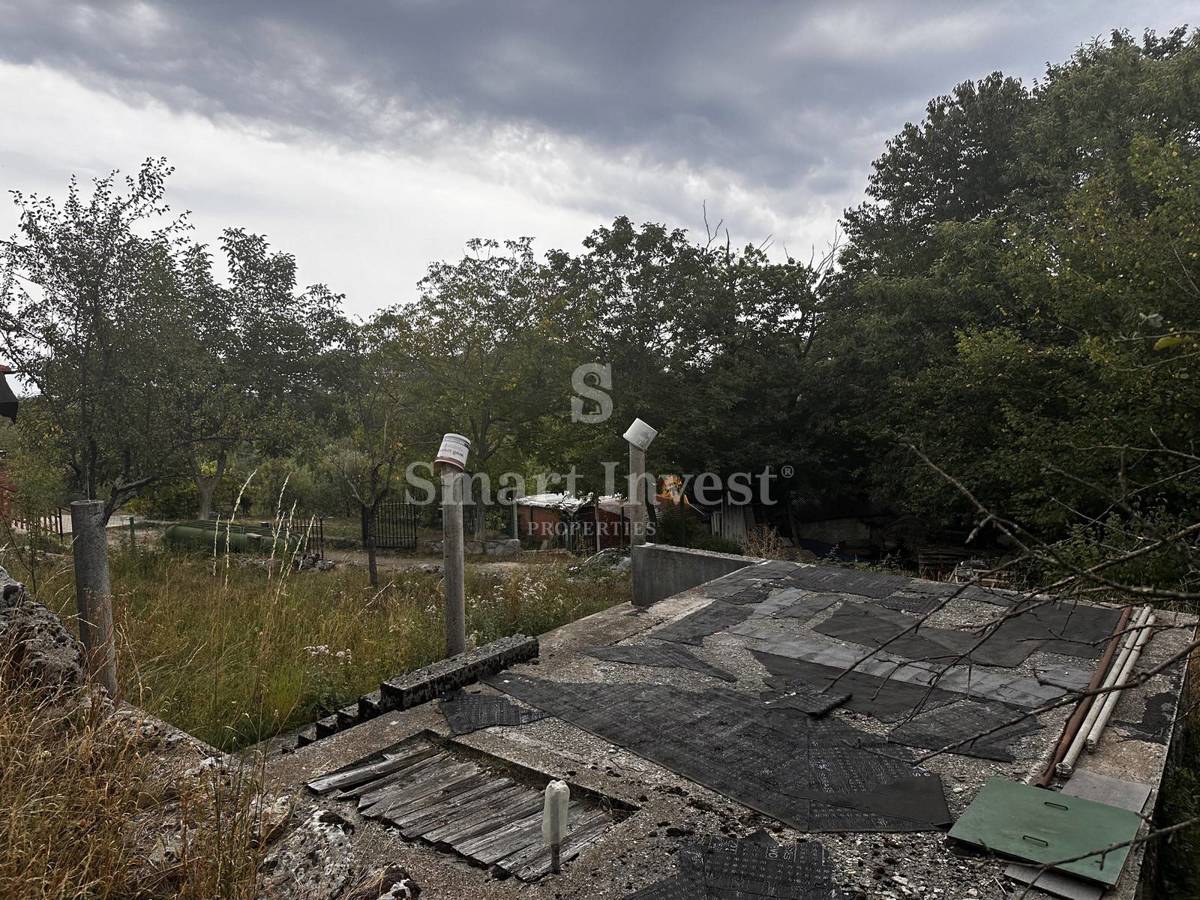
370 138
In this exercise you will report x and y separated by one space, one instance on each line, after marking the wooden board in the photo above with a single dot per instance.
437 796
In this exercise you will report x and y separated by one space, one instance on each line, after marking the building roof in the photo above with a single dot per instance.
700 720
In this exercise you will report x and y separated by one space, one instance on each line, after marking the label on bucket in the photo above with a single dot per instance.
453 451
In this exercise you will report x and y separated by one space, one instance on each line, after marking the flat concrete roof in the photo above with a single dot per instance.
669 809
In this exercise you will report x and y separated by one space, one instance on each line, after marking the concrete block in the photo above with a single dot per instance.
348 716
661 571
371 705
306 736
422 685
327 726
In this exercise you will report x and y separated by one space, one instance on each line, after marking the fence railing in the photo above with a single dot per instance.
49 523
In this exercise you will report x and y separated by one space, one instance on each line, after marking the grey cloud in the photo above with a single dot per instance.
787 98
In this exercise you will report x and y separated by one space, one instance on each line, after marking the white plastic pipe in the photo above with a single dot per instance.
555 820
1067 766
1110 701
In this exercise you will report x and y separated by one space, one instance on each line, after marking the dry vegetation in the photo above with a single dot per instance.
90 804
234 653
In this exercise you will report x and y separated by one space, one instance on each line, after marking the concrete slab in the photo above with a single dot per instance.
669 810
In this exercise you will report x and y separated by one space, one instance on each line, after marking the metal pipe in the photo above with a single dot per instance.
1067 765
453 565
1110 702
637 495
1085 703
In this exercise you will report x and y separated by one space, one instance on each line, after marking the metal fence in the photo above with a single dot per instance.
395 525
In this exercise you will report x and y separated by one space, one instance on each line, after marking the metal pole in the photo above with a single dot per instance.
453 567
637 496
93 594
132 536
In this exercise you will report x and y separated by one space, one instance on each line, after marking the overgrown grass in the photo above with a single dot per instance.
234 653
84 803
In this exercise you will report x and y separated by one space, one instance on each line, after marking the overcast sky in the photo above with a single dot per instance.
370 138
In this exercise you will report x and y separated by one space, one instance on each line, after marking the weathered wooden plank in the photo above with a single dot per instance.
580 818
444 799
419 821
369 794
574 845
485 818
489 819
503 841
359 775
407 776
392 777
432 786
471 817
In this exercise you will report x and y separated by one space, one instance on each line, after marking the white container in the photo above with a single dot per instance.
453 451
554 813
640 434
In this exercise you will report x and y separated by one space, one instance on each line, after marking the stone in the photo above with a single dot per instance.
312 862
36 649
391 883
508 547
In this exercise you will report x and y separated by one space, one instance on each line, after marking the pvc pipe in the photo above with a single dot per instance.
1110 702
1067 766
1084 706
555 816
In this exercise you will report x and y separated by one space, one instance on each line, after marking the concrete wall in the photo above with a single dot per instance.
660 571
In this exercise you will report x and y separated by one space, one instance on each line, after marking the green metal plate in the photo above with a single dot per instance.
1042 826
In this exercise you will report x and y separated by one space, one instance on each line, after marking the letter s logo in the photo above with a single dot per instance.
596 389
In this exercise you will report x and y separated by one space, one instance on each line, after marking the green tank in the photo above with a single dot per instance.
207 537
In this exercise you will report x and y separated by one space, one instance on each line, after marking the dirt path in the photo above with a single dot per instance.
389 562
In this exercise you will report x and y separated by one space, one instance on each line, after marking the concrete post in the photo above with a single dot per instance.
93 594
637 496
453 566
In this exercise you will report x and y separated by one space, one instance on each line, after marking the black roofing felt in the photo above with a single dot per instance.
938 728
1069 629
1157 720
470 712
755 866
694 628
812 774
666 656
887 699
907 636
809 700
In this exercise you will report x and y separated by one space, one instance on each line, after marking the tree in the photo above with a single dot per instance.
90 297
370 458
250 376
486 346
705 342
1029 329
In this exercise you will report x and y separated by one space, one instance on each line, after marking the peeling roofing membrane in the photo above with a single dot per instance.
805 694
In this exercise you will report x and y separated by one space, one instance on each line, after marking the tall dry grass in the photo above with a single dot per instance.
87 807
235 651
